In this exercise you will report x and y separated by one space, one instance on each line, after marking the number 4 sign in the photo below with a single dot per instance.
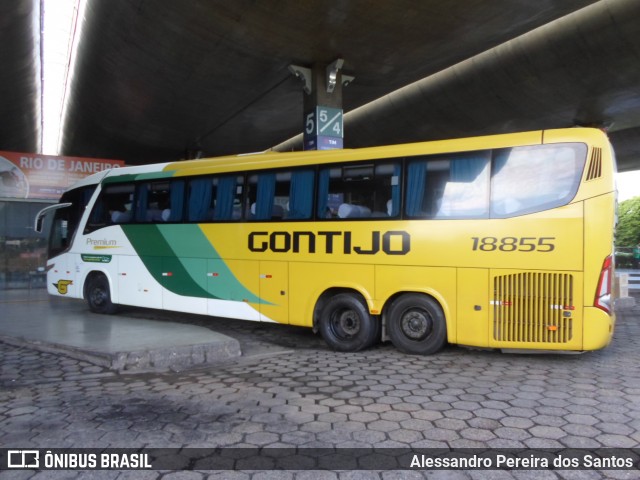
323 129
324 121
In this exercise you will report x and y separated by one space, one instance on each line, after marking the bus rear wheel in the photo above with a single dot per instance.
346 325
98 295
416 324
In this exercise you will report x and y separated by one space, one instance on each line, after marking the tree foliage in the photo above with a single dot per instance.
628 229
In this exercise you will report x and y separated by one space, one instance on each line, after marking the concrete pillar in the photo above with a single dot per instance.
322 118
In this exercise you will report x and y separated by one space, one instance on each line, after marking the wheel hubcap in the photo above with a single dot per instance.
346 323
98 296
416 324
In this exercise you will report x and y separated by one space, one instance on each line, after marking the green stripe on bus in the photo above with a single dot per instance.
177 256
161 262
133 177
188 242
130 177
155 175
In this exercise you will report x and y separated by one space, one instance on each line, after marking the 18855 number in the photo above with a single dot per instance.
514 244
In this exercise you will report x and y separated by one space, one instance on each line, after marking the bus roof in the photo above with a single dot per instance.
271 159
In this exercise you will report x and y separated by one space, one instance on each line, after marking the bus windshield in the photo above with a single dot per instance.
66 219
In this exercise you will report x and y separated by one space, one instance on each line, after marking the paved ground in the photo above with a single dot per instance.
290 390
120 342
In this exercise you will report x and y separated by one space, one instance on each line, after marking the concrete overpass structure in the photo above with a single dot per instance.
158 80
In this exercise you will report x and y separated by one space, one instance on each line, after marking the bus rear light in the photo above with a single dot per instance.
501 303
603 292
562 307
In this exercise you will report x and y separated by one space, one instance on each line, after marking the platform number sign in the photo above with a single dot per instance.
323 129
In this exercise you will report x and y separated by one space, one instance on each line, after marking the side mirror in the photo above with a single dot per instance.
41 214
39 222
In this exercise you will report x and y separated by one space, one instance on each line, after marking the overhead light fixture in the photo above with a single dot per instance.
59 31
304 74
332 74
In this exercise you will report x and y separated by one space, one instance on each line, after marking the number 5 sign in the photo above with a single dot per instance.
321 123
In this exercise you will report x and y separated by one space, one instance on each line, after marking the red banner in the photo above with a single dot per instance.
29 175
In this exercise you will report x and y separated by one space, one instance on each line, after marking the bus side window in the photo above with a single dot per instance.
359 191
300 203
531 179
113 206
172 206
281 195
464 188
416 187
268 195
228 197
386 199
202 192
450 186
151 199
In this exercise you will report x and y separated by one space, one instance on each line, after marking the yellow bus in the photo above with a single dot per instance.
500 241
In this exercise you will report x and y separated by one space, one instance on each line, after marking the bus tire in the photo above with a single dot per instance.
346 325
416 324
98 295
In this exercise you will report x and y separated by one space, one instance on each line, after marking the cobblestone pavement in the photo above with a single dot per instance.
292 391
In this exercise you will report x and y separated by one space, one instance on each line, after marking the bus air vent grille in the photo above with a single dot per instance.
595 164
533 307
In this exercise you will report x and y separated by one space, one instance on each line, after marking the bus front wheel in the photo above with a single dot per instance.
416 324
346 325
98 295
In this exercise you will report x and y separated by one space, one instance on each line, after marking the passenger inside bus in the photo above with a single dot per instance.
119 213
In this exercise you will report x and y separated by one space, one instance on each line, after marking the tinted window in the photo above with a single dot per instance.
359 191
215 198
113 206
531 179
281 195
452 186
263 201
153 202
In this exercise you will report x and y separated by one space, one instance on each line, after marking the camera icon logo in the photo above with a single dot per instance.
23 459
